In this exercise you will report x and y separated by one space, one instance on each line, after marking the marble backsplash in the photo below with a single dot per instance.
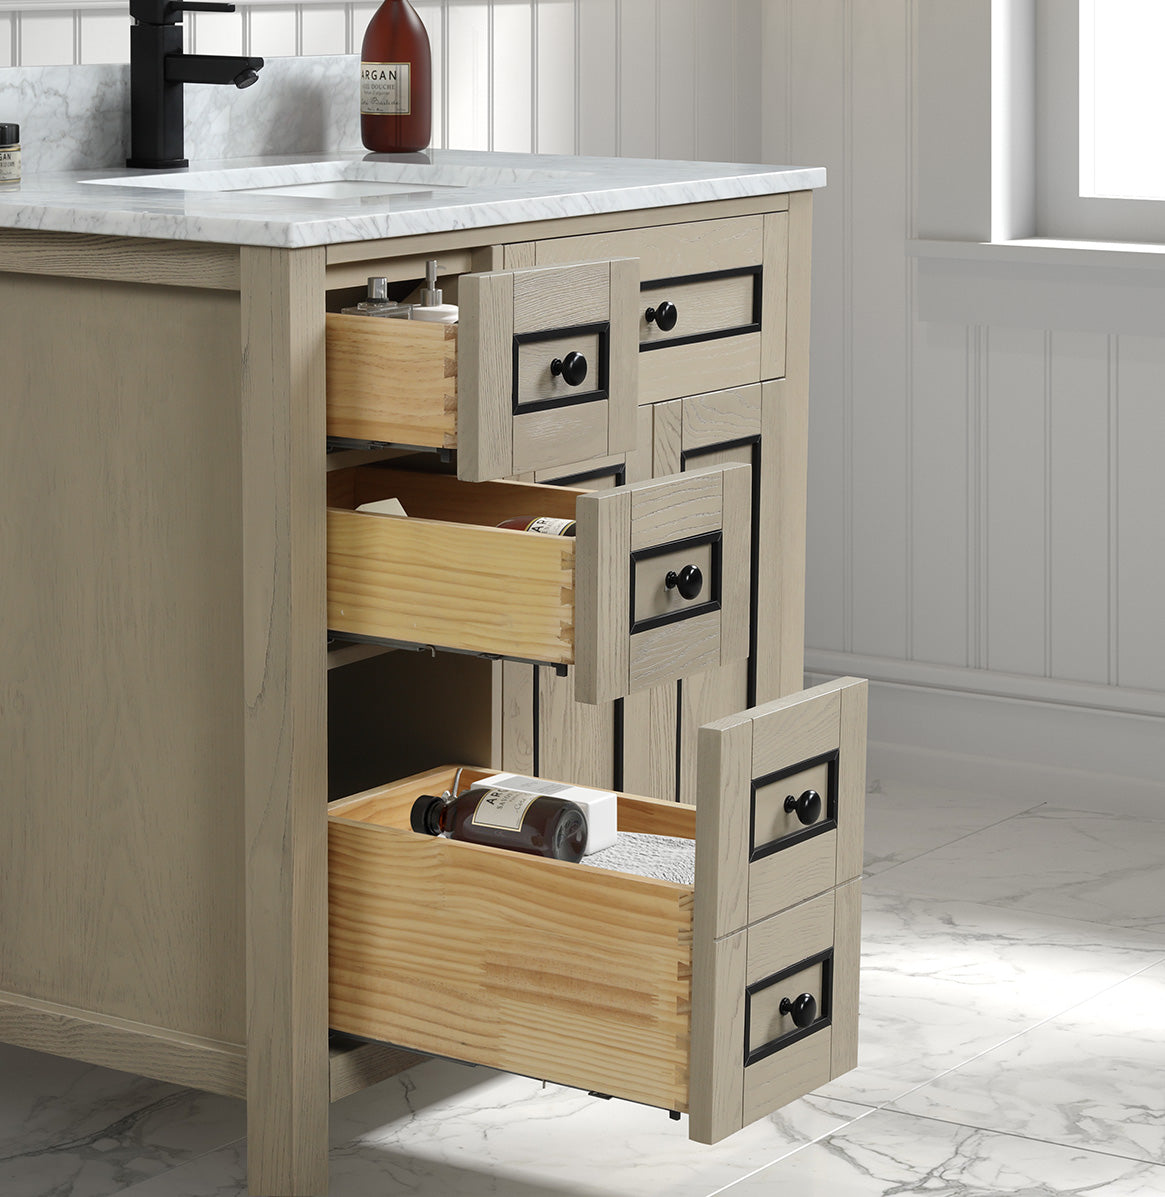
77 117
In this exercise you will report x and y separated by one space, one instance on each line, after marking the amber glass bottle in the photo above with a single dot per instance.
396 81
531 823
548 525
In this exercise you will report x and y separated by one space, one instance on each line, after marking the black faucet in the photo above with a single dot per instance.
157 71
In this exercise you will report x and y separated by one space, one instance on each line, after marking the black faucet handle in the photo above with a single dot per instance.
201 6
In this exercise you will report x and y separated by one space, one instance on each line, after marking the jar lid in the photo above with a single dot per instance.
9 134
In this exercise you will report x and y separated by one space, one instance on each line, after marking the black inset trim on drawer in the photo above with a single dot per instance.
688 611
601 389
824 1007
803 833
659 284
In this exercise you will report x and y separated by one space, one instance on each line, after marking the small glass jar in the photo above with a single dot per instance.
9 155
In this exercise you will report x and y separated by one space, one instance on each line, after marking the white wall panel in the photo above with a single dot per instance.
716 80
943 495
433 17
1016 532
104 37
598 77
556 76
748 71
638 49
468 60
46 38
513 76
272 32
1140 540
323 29
876 200
1080 508
676 91
215 33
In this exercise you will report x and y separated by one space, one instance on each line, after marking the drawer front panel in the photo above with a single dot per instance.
712 302
530 343
538 341
639 622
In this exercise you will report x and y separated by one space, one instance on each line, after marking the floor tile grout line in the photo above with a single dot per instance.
795 1151
886 1105
947 843
242 1140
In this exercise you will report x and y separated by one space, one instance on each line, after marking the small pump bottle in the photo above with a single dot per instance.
377 303
532 823
432 306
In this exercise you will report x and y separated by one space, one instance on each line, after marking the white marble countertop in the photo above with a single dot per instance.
359 197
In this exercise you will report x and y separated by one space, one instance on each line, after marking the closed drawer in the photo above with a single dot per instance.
541 370
712 302
582 976
653 586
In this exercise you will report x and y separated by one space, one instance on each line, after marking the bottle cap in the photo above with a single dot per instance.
423 818
377 288
9 134
431 293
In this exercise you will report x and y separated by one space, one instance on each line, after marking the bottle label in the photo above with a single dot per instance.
502 809
9 164
548 525
385 89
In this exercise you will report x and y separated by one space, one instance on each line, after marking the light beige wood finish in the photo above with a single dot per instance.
643 516
792 1072
701 366
123 1044
784 938
392 380
430 244
775 295
847 939
771 820
463 585
718 981
712 304
499 310
851 787
120 259
418 973
450 263
354 1065
121 827
520 717
766 1018
284 697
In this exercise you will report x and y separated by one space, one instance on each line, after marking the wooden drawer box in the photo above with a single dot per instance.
712 302
606 981
541 370
619 600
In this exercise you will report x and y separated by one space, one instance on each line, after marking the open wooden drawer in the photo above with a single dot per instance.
448 576
623 985
541 370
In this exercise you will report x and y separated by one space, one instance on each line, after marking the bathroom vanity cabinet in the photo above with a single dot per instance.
203 640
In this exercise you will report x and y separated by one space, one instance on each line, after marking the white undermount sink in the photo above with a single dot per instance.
335 180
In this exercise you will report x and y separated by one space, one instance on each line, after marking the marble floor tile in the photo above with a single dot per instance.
893 1155
942 982
75 1130
1099 868
1093 1077
906 820
444 1130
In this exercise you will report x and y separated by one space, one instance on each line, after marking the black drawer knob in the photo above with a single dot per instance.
573 368
663 317
808 806
689 581
803 1009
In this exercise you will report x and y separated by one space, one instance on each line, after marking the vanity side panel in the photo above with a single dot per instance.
121 821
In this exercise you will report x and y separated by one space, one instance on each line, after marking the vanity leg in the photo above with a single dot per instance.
285 671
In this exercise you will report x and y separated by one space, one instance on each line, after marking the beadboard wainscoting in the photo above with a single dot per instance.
634 78
987 491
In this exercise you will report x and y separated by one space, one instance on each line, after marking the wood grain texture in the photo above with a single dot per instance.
119 1043
792 875
546 438
790 936
559 297
846 974
717 1089
775 295
414 972
777 1080
676 507
485 436
518 715
623 366
649 741
660 654
354 1065
401 269
722 847
121 259
702 306
536 381
601 619
392 380
736 558
851 782
284 698
712 419
121 830
795 728
703 366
